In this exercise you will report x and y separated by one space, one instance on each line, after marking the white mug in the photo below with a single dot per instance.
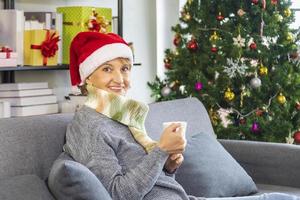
183 125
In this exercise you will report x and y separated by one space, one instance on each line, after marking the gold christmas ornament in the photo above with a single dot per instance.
289 37
229 95
263 70
243 93
190 1
187 16
214 36
281 98
214 117
287 12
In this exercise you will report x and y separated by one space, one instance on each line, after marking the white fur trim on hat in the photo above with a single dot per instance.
105 53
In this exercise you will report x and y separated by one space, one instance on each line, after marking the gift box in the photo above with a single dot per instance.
8 58
5 111
40 47
11 31
48 20
81 18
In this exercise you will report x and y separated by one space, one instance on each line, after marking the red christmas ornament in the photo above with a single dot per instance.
294 55
274 2
297 137
168 64
243 121
255 2
214 49
220 17
297 106
177 40
253 46
192 45
259 112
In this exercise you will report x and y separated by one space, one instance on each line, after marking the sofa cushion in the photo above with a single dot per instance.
209 170
265 188
25 187
70 180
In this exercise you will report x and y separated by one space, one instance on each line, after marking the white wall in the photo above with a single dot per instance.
138 27
167 13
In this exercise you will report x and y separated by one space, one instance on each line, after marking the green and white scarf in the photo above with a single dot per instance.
124 110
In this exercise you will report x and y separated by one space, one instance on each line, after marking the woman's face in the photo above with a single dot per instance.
112 76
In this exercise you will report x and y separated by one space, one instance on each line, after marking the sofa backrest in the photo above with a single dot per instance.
188 109
29 145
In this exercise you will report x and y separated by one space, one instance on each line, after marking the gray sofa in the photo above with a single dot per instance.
29 146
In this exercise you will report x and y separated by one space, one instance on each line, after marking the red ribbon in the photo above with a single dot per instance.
48 47
7 50
95 26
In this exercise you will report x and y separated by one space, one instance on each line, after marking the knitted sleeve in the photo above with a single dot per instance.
134 184
88 144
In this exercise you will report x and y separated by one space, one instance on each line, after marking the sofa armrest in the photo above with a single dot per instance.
267 163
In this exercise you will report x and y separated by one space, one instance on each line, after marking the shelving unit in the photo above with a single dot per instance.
8 73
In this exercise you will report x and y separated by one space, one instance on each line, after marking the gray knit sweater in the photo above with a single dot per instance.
109 150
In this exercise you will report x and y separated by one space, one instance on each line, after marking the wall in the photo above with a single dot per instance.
138 27
167 13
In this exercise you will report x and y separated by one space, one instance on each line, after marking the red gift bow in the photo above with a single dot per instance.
95 25
7 50
48 47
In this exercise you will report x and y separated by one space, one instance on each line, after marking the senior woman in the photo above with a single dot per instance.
107 134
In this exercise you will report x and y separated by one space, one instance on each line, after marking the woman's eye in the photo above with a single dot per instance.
107 69
126 69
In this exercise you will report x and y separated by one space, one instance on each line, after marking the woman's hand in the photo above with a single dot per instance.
173 162
172 140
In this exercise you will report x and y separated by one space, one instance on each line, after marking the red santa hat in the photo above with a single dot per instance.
89 50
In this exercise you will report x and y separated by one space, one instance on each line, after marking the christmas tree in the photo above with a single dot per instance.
240 59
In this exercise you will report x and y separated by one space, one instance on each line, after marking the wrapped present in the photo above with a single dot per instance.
40 47
11 31
80 18
8 58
